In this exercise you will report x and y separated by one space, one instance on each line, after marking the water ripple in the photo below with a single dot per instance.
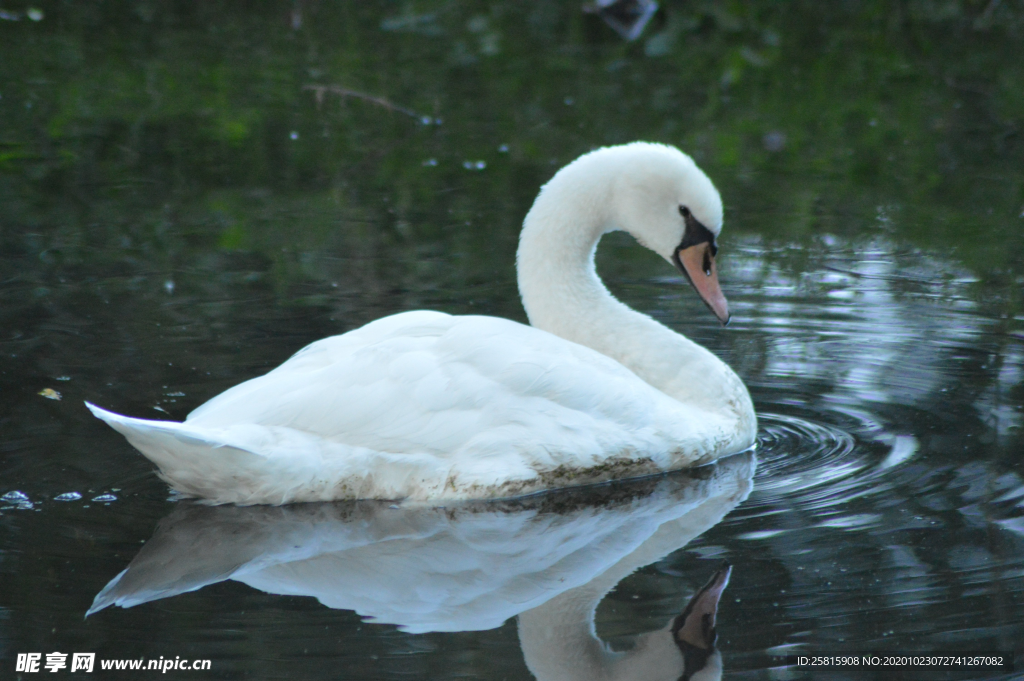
796 455
820 465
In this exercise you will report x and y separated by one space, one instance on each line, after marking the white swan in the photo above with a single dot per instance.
427 406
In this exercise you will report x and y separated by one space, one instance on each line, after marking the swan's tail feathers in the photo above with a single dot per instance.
195 462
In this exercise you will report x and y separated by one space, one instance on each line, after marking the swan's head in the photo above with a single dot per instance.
685 649
653 191
694 632
669 205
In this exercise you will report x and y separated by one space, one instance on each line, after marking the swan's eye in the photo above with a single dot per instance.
684 211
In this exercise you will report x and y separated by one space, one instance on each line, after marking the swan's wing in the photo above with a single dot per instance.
247 399
429 382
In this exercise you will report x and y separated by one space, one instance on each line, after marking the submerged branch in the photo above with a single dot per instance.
320 90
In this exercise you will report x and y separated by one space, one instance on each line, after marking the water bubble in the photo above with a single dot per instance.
169 286
19 499
474 165
426 120
35 14
430 162
63 378
294 135
503 149
68 496
105 497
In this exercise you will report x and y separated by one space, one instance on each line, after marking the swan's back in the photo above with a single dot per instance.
425 405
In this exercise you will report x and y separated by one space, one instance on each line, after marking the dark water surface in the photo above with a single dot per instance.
179 212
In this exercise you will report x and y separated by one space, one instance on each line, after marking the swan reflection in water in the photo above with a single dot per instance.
549 559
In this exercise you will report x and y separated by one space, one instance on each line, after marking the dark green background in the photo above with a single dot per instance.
179 212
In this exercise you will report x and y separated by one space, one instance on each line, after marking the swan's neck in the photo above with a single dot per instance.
562 294
558 638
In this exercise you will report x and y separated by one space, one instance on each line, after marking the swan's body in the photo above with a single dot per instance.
427 406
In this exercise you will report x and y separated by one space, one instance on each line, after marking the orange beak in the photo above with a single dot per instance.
698 264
